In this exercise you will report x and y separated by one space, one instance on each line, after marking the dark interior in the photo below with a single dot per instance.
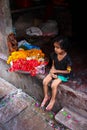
66 15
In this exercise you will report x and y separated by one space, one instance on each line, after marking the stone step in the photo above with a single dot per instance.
18 108
71 119
19 111
6 88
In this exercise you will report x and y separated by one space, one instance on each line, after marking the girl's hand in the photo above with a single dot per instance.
54 76
53 70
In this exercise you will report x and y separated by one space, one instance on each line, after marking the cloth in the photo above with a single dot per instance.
62 64
62 78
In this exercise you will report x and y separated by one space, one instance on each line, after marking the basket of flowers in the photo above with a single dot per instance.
27 61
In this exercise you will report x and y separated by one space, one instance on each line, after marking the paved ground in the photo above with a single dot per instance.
19 111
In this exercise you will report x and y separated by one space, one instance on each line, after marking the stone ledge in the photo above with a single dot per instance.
71 119
67 95
70 97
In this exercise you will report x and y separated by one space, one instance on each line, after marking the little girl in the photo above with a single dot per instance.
59 72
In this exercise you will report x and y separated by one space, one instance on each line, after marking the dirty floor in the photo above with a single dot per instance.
19 111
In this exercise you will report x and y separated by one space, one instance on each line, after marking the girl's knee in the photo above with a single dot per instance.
55 83
54 86
46 80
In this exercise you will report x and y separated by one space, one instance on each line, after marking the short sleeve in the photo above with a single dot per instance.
69 64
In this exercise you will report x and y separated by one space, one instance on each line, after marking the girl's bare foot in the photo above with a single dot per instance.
50 105
44 101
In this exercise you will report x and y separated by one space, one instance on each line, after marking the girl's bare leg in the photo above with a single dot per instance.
54 87
46 80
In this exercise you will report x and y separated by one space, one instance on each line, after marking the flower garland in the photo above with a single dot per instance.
22 54
31 61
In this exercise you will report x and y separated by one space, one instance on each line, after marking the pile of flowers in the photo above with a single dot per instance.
32 61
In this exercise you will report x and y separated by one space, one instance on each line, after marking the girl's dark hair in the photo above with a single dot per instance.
63 42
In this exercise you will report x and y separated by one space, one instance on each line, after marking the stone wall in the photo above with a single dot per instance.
5 25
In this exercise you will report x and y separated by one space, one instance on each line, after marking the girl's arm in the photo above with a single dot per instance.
62 71
67 71
53 70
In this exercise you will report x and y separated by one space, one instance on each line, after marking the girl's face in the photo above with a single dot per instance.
57 48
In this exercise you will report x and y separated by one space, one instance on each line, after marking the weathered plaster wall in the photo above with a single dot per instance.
5 25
